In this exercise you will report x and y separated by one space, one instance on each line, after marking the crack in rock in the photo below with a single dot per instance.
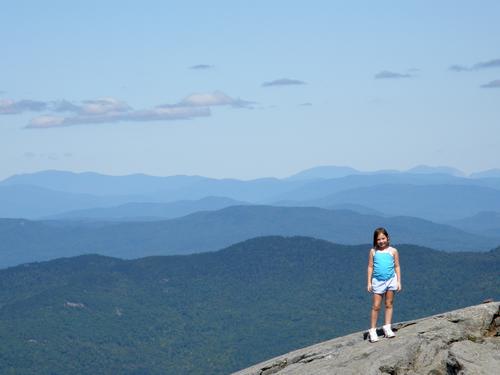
494 326
398 326
453 367
280 365
273 368
385 369
312 358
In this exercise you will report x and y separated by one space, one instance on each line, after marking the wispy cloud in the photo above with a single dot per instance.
386 74
50 155
201 67
111 110
495 63
65 106
13 107
88 107
156 114
103 106
458 68
283 82
492 85
215 98
307 104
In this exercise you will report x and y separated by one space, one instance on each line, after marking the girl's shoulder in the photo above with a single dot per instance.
393 250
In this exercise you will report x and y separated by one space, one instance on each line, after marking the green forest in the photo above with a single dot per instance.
216 312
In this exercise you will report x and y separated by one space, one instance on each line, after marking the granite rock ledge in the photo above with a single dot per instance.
465 341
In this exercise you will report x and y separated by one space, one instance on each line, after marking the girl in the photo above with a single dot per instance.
384 278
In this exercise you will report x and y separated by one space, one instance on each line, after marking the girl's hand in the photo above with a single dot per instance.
369 287
400 287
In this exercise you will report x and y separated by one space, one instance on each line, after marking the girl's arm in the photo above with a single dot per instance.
397 269
370 271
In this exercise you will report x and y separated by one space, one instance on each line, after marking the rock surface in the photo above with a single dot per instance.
465 341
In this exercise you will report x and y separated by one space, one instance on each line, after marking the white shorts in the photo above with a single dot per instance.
380 287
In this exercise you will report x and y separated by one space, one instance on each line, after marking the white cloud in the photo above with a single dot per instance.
207 99
103 106
216 98
41 122
110 110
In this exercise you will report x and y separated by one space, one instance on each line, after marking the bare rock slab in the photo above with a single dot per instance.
465 341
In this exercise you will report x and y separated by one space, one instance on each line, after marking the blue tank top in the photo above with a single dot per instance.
383 264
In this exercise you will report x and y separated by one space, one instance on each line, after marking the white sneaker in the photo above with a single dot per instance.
388 331
372 335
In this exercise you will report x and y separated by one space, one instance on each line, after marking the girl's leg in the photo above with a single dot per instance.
389 298
377 301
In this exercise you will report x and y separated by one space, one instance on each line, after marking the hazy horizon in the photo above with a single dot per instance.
376 171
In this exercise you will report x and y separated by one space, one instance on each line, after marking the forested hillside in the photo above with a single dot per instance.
215 312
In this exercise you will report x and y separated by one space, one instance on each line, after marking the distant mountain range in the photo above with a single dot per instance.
485 174
433 202
148 211
137 215
29 201
317 189
330 171
144 188
486 223
99 184
324 172
216 312
27 241
430 193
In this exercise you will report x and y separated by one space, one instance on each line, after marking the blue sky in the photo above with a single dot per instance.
248 89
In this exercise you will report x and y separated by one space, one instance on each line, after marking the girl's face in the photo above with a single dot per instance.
382 241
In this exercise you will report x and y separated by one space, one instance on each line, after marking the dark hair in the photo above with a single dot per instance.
377 232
